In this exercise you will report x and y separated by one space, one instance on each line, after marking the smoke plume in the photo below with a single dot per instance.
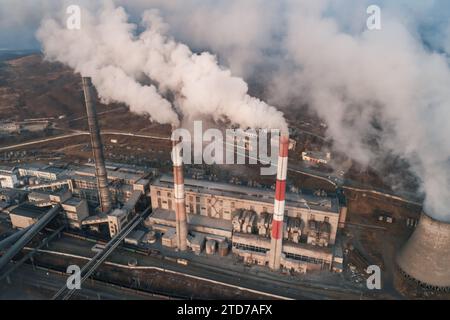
118 58
373 87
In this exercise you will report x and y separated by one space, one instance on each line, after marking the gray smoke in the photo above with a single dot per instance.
386 86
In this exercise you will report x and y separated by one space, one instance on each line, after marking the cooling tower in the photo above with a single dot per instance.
97 147
180 201
426 256
278 210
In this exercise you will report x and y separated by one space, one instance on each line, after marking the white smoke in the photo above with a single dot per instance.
109 49
89 52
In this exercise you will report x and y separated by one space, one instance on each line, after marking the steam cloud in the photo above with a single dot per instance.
108 49
384 87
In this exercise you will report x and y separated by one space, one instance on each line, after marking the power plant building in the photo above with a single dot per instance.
243 215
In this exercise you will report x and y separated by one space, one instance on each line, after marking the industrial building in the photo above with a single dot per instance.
316 157
81 180
8 128
25 215
243 216
425 258
8 177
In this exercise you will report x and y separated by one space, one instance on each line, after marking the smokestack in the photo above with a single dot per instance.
425 257
97 147
278 211
180 202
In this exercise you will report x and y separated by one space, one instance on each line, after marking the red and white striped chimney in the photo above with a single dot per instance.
278 210
179 195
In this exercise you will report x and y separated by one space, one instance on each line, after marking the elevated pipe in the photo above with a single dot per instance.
30 234
7 242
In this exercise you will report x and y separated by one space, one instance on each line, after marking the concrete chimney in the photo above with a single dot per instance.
97 147
180 201
278 211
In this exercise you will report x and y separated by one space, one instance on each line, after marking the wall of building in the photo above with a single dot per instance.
20 221
8 180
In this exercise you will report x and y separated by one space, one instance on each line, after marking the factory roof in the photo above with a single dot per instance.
28 210
73 202
54 170
39 195
131 203
135 236
7 169
118 213
307 201
11 192
112 174
193 219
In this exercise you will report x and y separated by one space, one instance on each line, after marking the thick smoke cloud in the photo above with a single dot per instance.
389 86
383 86
108 49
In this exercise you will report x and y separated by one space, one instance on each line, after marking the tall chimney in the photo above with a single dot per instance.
278 211
97 147
180 202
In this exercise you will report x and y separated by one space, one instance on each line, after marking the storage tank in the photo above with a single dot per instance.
425 257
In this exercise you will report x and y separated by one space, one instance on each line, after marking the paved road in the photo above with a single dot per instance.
77 133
